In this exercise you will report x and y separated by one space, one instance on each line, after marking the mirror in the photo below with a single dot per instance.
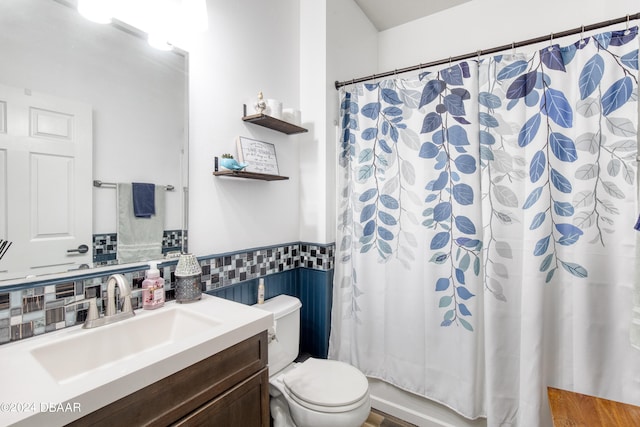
96 103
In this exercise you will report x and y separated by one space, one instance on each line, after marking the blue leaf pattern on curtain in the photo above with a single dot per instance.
380 151
454 244
603 157
470 196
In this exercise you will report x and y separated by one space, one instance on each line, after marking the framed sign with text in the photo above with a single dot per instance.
259 156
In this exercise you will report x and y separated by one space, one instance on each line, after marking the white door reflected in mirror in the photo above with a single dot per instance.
46 152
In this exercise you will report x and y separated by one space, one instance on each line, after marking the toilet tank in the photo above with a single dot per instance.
283 350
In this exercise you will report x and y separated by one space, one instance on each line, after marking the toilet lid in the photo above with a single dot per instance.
326 383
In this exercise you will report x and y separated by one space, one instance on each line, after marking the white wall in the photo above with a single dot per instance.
313 101
281 48
329 31
347 27
250 46
484 24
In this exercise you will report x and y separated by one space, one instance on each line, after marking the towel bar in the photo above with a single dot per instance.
100 184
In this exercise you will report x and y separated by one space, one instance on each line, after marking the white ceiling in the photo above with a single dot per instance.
385 14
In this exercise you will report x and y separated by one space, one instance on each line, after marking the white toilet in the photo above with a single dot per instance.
313 393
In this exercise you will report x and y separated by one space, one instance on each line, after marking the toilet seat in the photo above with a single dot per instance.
326 385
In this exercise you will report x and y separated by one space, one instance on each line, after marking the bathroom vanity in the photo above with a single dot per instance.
182 364
230 388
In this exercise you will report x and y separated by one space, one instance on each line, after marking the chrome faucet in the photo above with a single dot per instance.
125 293
111 315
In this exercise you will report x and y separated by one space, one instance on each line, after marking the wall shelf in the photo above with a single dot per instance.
272 123
244 174
250 175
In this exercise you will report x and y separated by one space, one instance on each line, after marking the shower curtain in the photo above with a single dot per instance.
485 242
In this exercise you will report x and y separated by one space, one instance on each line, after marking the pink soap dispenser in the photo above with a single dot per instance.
152 288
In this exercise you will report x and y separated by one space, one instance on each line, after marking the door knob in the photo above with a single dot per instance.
80 249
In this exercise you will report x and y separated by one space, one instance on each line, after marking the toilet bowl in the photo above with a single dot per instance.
320 393
315 392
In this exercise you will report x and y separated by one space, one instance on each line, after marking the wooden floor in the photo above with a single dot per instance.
380 419
574 409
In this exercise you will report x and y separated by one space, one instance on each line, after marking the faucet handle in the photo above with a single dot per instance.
92 314
126 304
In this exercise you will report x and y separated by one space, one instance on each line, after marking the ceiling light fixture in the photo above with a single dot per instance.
166 22
98 11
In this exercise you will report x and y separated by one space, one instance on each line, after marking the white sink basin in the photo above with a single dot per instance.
108 345
91 368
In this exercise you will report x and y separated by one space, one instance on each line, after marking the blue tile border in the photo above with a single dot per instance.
105 246
37 307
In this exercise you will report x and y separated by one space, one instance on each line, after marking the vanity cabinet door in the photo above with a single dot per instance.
245 405
239 371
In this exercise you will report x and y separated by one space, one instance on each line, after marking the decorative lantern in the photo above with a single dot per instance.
188 277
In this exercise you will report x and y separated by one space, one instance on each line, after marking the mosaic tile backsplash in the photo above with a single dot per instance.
42 307
105 246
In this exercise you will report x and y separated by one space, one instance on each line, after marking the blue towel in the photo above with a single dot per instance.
144 199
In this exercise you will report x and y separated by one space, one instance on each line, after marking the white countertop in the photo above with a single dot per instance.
30 396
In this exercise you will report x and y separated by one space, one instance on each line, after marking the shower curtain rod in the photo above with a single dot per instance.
478 53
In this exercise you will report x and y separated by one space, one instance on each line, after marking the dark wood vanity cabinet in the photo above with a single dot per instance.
230 388
241 406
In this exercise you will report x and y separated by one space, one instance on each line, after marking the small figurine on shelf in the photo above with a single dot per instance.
260 104
228 162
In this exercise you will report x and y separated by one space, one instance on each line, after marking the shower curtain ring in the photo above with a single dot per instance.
626 32
513 48
550 42
582 35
